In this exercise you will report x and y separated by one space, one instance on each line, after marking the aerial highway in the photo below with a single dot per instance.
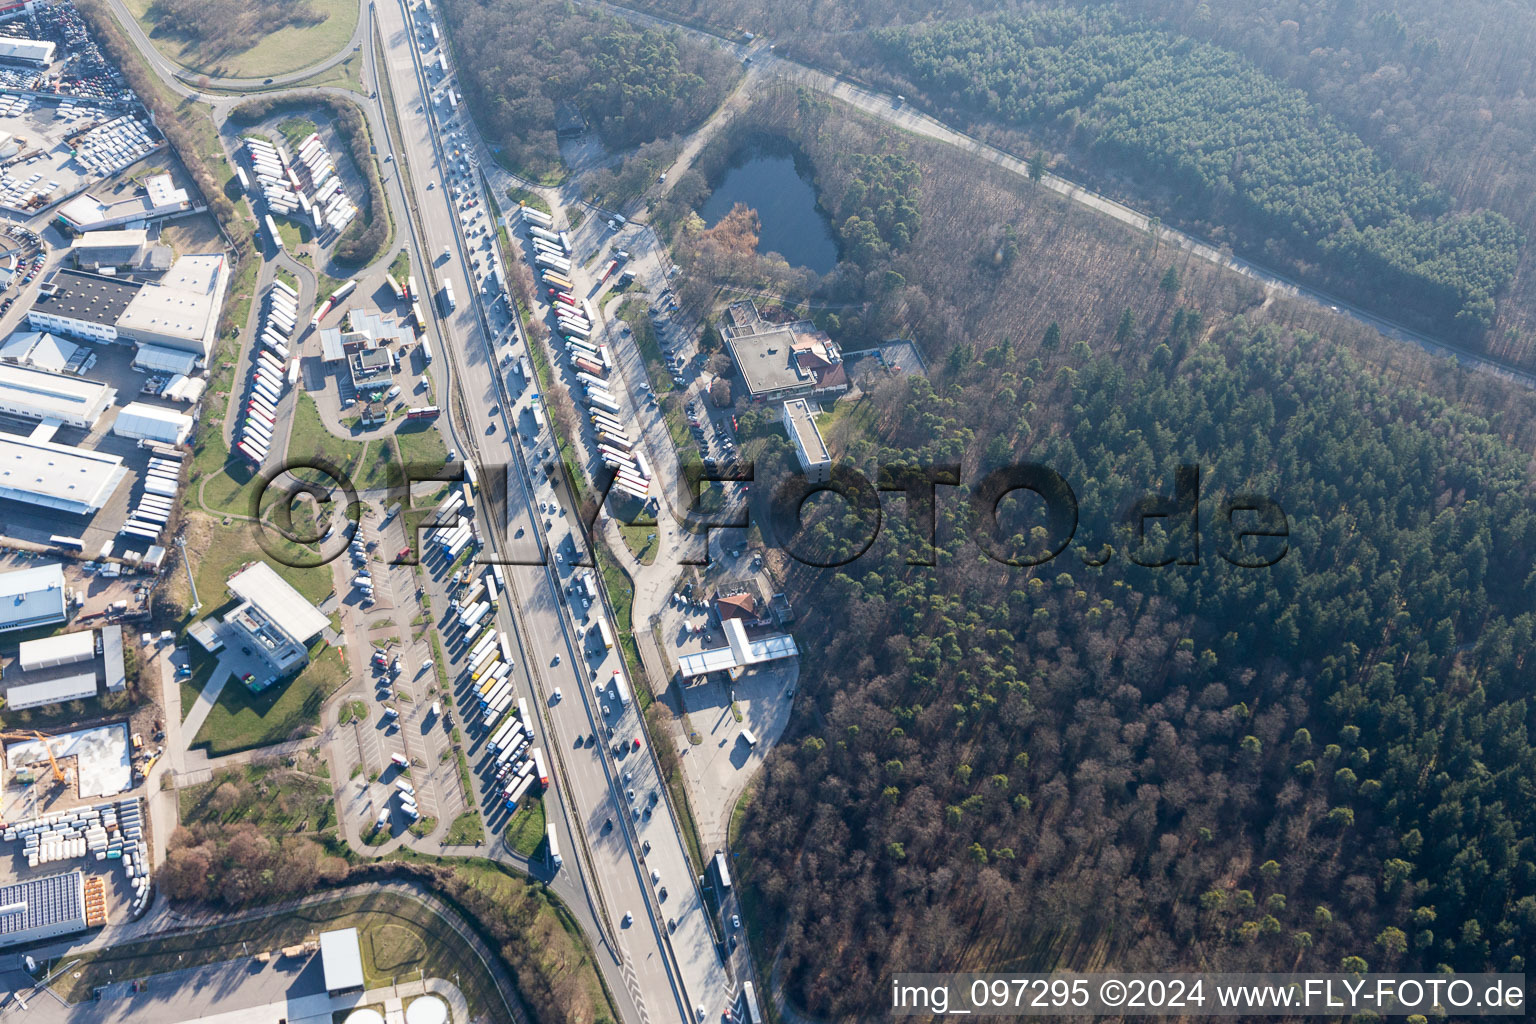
668 954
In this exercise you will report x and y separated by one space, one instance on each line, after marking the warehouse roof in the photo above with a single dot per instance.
42 903
88 297
183 305
74 686
111 239
52 394
278 601
341 956
159 358
33 51
59 649
57 476
140 419
31 596
39 349
112 655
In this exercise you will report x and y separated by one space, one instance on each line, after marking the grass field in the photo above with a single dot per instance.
293 233
278 800
400 266
521 195
295 130
241 720
346 75
271 53
402 937
525 829
216 552
311 438
466 830
641 541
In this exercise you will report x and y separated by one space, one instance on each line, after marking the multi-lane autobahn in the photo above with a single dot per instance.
669 964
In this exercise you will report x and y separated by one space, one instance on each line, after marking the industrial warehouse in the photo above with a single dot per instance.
65 667
180 312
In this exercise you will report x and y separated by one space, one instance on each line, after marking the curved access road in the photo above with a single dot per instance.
170 70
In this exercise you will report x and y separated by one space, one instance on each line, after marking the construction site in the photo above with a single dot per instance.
76 856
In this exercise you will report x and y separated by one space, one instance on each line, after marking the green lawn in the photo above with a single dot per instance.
268 54
241 719
236 545
420 441
294 233
525 829
621 592
346 75
401 266
311 438
288 278
466 830
641 541
295 130
521 195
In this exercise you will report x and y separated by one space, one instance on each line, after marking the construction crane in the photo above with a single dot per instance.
58 773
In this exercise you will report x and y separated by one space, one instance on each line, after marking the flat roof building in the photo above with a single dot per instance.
64 667
34 52
341 958
59 649
31 394
57 690
31 597
331 350
738 654
371 368
160 199
781 361
800 425
39 909
152 422
112 660
117 247
81 305
182 310
274 617
57 476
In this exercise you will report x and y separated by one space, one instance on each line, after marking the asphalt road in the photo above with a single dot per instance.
170 70
575 883
549 650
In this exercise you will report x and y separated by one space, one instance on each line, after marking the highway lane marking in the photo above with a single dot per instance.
632 982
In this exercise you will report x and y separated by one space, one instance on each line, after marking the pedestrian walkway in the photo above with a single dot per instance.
202 706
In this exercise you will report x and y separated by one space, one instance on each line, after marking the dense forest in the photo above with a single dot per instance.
1085 765
521 60
1442 91
1239 147
1276 768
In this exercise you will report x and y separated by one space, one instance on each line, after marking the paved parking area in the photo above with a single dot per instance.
407 683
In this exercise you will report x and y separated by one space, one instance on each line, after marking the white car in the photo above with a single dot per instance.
655 877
